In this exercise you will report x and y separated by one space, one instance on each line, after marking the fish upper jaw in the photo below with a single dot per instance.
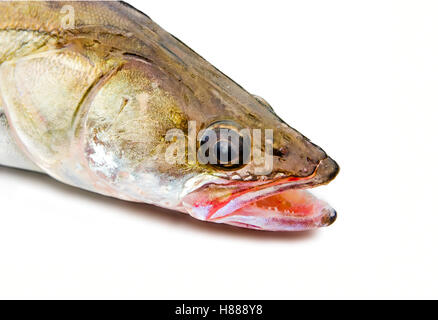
278 205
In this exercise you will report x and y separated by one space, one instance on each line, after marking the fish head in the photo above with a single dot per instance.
241 164
264 187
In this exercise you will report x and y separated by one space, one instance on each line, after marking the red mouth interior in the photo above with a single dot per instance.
291 202
291 210
276 208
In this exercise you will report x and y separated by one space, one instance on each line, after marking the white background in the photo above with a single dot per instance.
360 78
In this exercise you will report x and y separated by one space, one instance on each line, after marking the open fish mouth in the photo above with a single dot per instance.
278 205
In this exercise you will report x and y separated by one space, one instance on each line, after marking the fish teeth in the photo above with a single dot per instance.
279 175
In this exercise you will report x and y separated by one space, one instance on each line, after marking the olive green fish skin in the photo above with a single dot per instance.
90 104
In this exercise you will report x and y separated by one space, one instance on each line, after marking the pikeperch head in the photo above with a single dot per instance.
116 105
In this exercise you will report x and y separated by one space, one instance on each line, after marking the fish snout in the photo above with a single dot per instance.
296 156
326 171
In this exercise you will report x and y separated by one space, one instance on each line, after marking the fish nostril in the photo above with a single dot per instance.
282 152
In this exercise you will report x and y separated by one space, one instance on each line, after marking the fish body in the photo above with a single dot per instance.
98 96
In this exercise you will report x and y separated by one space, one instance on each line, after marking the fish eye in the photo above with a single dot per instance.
227 153
226 146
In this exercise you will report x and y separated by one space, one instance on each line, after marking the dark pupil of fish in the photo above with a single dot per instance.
228 153
225 153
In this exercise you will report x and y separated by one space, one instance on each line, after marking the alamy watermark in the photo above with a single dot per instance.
68 17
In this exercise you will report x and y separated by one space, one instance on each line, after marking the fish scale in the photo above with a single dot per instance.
18 43
15 44
10 154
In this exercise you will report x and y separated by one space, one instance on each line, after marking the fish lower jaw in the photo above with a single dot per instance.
290 210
